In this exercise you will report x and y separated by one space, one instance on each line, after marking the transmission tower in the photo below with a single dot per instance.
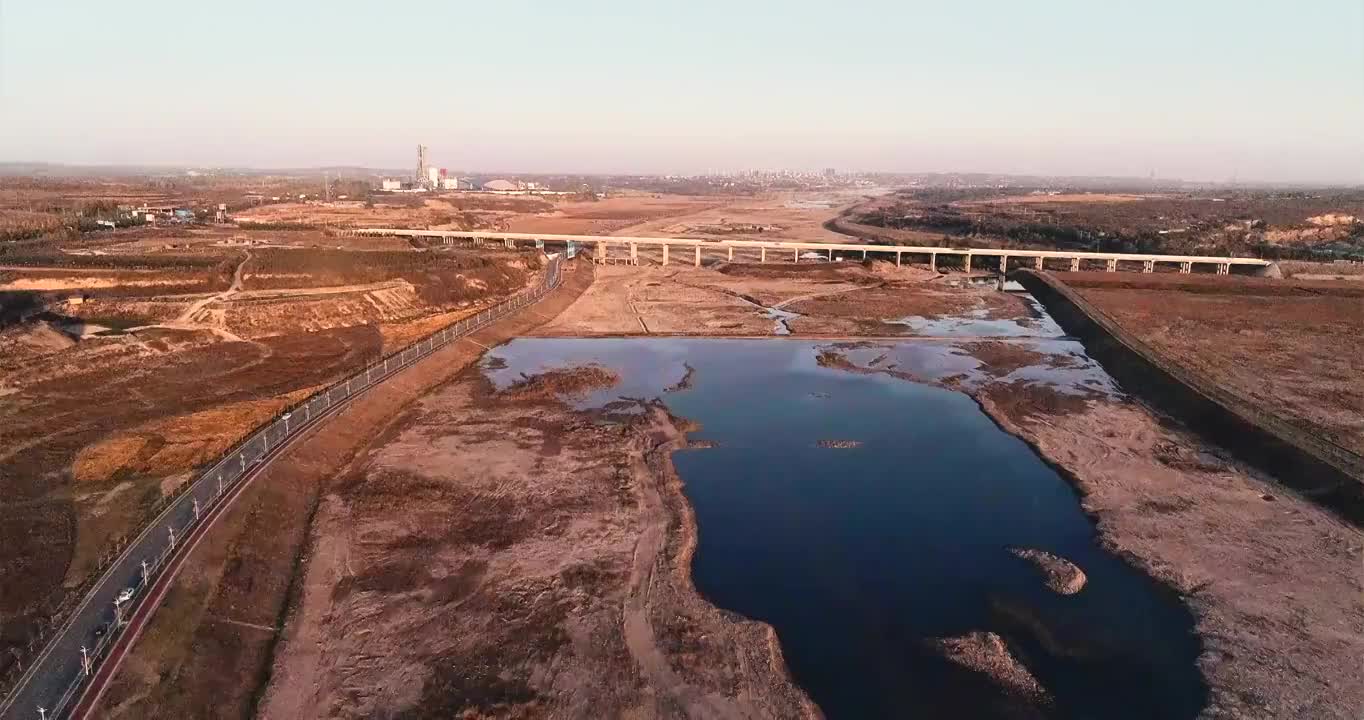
421 165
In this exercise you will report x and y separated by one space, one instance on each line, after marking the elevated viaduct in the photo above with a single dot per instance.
624 248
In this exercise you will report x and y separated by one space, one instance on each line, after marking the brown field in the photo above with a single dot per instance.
451 211
1295 348
166 357
608 215
228 607
1061 198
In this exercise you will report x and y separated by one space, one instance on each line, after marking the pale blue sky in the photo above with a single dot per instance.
1210 89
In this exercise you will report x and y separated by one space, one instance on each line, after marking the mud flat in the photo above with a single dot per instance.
815 299
1273 581
499 553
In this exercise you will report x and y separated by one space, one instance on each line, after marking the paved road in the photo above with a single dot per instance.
60 664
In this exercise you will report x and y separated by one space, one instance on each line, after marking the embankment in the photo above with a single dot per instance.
1324 472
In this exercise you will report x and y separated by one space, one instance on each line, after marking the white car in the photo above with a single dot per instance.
124 596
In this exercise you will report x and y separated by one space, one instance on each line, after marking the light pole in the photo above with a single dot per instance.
146 574
286 423
196 509
171 530
85 661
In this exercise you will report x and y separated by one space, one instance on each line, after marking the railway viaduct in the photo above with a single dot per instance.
664 249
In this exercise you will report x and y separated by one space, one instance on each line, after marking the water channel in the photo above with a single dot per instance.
864 515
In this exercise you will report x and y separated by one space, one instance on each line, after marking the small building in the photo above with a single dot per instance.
450 183
392 184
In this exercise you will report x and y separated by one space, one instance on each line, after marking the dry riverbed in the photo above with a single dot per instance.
500 554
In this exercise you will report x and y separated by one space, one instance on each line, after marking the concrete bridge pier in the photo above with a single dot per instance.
1038 264
899 257
831 254
731 253
1075 264
1003 264
1223 268
1148 266
698 256
665 255
1185 268
933 262
864 256
762 255
601 252
795 256
634 254
509 243
968 262
1112 265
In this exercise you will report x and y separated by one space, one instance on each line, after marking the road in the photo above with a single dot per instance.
139 619
53 671
187 316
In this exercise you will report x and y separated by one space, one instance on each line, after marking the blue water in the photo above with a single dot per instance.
859 556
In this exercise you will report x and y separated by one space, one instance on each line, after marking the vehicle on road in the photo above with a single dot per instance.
124 596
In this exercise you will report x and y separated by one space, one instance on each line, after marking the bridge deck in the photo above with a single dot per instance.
690 243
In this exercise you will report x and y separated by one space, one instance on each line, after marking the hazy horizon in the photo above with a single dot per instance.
1214 91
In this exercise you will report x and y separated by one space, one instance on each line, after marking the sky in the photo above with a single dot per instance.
1213 90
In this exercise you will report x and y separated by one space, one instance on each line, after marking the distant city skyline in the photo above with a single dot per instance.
1208 91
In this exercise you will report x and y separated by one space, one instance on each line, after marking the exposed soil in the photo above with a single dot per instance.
217 650
839 444
105 412
832 299
575 382
129 370
986 654
1062 575
608 215
512 559
1294 348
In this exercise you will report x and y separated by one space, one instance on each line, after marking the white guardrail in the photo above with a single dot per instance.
52 681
